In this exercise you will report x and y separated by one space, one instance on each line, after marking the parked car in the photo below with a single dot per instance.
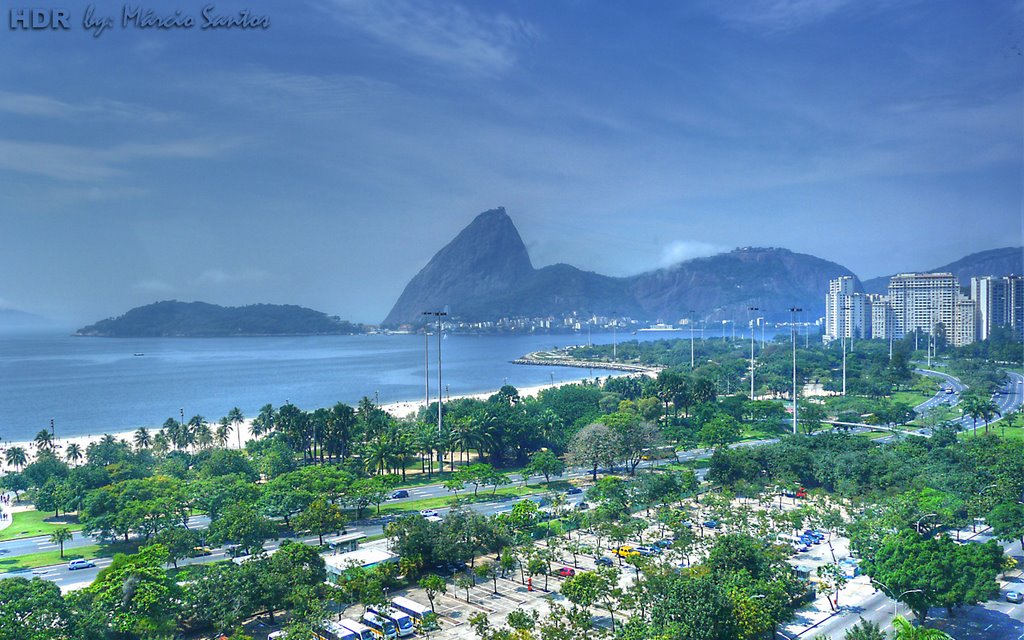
81 563
567 572
648 551
1014 596
401 493
582 506
603 561
625 551
574 491
711 524
663 544
427 513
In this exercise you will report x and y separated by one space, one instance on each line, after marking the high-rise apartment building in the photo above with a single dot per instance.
999 302
847 312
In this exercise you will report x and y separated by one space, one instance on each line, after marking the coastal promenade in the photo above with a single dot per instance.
556 359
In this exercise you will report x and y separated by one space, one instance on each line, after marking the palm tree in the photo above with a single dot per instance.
172 431
223 431
74 453
142 438
377 455
197 424
161 443
906 631
263 423
203 435
44 441
60 536
989 410
971 405
236 418
15 456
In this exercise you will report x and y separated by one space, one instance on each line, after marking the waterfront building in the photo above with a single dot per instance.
999 302
847 312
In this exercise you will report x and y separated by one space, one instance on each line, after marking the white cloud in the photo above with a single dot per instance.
36 105
448 35
777 15
153 285
680 250
220 277
69 162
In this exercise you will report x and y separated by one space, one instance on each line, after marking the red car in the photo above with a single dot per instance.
566 572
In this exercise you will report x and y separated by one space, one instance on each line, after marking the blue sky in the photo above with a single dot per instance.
324 160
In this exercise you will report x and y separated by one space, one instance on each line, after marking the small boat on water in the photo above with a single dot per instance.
137 355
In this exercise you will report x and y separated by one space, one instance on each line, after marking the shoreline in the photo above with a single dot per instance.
242 433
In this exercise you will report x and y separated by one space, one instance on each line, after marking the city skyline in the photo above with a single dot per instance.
279 165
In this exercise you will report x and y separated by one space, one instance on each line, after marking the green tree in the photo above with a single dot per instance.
906 631
594 445
433 584
34 610
134 595
926 572
544 463
242 525
864 630
320 517
1007 520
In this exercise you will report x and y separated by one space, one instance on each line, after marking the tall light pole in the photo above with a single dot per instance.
690 319
792 312
749 311
762 321
615 345
426 366
440 390
846 324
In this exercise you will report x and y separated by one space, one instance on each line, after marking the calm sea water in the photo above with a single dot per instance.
98 385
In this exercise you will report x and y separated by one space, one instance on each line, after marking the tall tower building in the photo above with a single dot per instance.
847 312
930 303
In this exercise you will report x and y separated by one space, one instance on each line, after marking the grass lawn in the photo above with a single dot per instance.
26 524
466 496
48 558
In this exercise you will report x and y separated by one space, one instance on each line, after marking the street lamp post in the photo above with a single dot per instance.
690 319
749 310
440 390
895 599
426 366
918 525
793 311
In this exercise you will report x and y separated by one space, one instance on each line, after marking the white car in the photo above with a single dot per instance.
1014 596
80 564
427 513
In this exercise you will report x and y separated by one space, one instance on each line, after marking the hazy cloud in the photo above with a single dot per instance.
777 15
220 277
680 250
37 105
153 286
448 35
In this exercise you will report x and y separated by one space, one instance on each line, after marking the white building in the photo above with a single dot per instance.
847 312
930 303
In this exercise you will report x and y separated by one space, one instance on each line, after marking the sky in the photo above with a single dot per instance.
323 160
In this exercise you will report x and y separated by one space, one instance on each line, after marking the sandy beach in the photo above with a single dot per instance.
244 430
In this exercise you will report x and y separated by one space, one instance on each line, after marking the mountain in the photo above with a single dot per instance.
485 273
994 262
21 321
171 318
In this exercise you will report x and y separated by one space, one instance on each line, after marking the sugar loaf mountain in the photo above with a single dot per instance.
485 273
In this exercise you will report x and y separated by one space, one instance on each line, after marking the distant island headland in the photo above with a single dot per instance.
174 319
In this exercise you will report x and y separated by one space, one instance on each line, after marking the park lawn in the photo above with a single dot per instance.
49 558
27 524
699 463
466 496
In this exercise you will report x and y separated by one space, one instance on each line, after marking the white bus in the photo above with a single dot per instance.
411 607
381 626
401 619
332 630
362 631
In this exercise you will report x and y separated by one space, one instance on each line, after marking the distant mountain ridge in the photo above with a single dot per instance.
171 318
485 273
993 262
